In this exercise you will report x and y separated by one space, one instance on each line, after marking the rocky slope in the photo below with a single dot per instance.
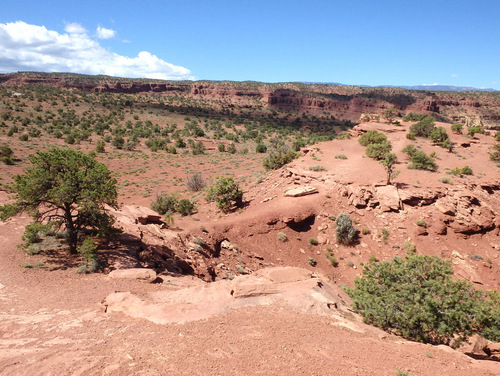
342 102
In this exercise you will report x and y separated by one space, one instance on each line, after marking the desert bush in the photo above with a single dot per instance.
282 237
226 193
317 168
198 148
341 156
100 146
421 223
118 142
279 156
495 154
333 260
165 203
33 231
471 131
414 117
378 151
221 148
446 180
497 136
345 231
6 155
440 137
461 171
23 137
312 261
232 149
372 137
424 127
313 241
418 299
185 207
420 160
457 128
195 182
260 148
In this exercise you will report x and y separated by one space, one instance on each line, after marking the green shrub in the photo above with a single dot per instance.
446 180
378 151
385 234
313 241
279 156
221 148
312 261
424 127
366 231
6 155
461 171
471 131
317 168
282 237
88 250
457 128
333 260
420 160
345 231
185 207
32 232
341 156
100 146
260 148
497 136
495 155
414 117
165 203
421 223
372 137
226 193
418 299
23 137
440 137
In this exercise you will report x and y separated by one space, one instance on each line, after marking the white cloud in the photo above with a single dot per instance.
25 47
454 75
103 33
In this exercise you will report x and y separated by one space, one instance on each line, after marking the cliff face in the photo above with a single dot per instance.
342 102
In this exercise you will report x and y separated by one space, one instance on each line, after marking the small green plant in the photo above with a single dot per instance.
312 261
366 231
385 234
345 231
88 251
457 128
317 168
282 237
446 180
313 241
410 247
333 260
400 372
421 223
341 156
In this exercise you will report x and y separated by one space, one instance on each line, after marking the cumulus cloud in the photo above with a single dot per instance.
103 33
25 47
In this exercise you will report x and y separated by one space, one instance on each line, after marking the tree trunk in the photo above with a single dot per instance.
72 232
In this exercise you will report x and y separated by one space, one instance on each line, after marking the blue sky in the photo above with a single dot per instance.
376 42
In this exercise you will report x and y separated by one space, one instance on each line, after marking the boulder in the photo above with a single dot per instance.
141 214
388 198
301 191
143 274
